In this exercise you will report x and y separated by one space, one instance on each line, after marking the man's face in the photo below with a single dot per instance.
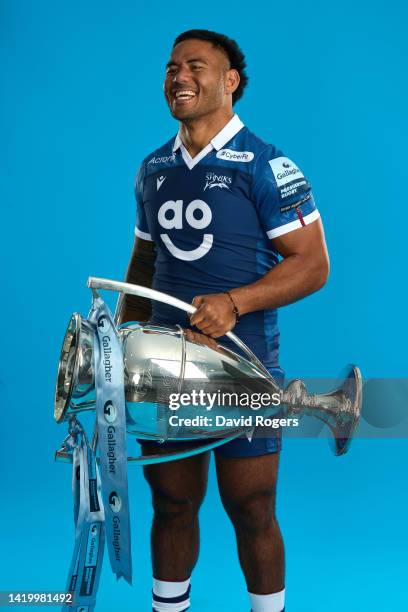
197 80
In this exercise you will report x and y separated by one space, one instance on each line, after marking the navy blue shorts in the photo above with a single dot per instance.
264 441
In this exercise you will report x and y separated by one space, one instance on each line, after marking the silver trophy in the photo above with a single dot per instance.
159 363
129 377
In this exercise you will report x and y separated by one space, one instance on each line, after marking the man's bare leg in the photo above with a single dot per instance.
248 489
178 489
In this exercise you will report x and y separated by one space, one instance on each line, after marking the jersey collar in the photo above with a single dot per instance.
228 132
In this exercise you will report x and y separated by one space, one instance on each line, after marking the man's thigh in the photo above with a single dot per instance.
180 481
248 484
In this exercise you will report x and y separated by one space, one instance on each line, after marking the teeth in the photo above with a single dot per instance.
184 94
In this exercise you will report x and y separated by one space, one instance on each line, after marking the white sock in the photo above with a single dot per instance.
274 602
171 596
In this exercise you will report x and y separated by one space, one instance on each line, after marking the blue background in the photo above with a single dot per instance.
81 105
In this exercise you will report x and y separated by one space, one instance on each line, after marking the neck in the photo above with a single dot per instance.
197 133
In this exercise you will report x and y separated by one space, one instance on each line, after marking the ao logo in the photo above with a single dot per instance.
198 215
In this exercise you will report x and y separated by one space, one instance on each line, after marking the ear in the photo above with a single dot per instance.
231 80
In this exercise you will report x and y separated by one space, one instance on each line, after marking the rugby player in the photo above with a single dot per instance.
227 222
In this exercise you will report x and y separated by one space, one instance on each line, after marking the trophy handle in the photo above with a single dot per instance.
65 456
104 283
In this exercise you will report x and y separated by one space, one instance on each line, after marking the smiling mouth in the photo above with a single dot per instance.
183 96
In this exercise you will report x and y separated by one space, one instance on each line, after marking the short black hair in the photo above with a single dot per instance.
230 48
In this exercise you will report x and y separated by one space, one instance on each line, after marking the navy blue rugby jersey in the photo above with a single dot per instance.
213 219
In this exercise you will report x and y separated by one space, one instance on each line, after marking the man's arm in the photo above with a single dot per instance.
140 272
303 270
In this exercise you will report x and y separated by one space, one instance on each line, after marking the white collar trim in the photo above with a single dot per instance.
232 128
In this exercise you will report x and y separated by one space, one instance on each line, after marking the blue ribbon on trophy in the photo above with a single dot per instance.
100 498
136 399
86 563
111 428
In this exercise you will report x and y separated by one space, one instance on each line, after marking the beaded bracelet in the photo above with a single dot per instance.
236 311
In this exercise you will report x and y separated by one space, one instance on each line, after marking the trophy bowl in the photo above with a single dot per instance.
159 363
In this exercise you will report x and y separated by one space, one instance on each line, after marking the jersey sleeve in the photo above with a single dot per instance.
141 228
282 195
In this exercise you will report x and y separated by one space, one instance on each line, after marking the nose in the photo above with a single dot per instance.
182 75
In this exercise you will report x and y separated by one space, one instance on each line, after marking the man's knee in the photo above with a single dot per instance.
169 507
254 512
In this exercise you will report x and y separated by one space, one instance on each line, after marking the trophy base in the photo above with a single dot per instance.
343 432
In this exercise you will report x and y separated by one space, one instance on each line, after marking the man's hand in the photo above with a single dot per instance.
215 314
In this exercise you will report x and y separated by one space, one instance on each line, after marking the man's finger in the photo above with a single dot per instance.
213 330
197 301
216 331
203 324
198 316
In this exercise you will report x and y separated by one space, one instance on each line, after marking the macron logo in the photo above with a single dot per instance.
160 181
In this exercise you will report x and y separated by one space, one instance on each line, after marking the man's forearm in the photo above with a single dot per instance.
140 272
290 280
303 270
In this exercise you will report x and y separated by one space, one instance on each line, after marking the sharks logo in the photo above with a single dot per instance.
216 180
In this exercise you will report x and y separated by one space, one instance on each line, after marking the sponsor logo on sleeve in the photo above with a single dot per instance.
290 180
235 156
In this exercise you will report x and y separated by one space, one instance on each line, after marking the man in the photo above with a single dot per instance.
216 206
